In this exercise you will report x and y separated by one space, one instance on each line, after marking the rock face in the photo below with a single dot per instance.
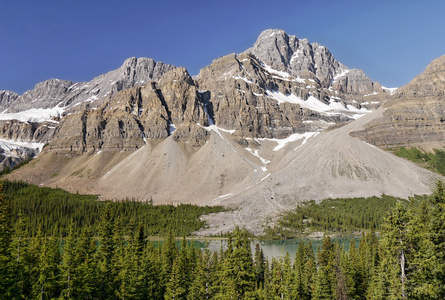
242 94
6 98
299 58
124 122
283 85
35 115
414 114
67 94
265 92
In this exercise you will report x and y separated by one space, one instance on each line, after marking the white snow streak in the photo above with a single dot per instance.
312 103
343 73
281 75
10 145
390 90
223 196
34 115
255 153
292 138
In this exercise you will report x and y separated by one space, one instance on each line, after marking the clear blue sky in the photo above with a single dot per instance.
392 41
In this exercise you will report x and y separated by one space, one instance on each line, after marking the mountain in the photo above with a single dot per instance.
259 131
415 115
34 116
298 58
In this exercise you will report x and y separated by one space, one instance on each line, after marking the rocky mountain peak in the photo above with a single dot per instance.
430 83
142 70
301 59
177 74
275 48
7 97
70 95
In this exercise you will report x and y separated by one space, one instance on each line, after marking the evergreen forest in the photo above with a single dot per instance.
54 210
118 262
338 216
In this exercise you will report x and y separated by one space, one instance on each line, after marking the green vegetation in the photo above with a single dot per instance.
118 262
337 216
431 161
53 210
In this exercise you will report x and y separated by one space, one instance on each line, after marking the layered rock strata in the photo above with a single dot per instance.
124 122
415 114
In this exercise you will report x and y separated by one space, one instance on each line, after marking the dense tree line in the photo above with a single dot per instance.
53 210
339 215
407 262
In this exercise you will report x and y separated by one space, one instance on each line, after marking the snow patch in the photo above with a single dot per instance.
312 103
243 78
10 145
391 91
265 177
305 140
292 138
342 73
296 55
255 153
36 115
223 196
370 145
281 75
216 128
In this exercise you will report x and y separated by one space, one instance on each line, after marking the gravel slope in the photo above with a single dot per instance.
330 165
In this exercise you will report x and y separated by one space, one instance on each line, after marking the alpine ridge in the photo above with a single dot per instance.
414 116
259 131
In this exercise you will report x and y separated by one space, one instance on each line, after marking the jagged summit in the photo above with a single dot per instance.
301 59
67 94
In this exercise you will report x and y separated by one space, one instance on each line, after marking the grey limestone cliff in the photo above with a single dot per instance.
286 53
67 94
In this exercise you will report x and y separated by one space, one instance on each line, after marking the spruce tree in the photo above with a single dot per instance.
242 263
6 279
19 249
397 249
149 274
68 267
299 288
323 289
47 284
276 286
86 267
437 237
169 254
259 265
174 289
185 267
105 253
